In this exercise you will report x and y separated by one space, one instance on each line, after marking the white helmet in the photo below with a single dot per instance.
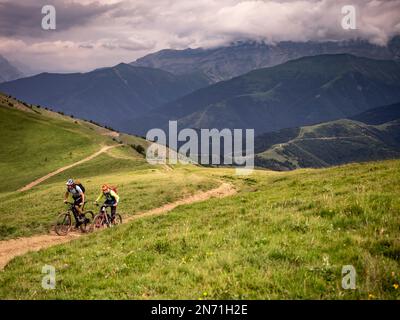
70 182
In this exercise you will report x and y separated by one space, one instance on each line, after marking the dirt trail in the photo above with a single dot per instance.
224 190
9 249
47 176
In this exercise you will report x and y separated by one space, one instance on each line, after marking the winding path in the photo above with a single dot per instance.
51 174
10 249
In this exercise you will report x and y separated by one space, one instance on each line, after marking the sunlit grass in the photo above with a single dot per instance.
283 236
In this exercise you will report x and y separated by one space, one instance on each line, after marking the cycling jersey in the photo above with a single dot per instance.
110 197
75 192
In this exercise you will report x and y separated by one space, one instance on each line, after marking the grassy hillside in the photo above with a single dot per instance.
48 140
284 235
373 135
379 115
37 141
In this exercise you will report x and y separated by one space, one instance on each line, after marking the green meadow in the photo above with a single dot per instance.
281 236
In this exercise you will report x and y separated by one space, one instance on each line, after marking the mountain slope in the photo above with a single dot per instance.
38 141
379 115
299 92
226 62
283 236
105 95
8 72
373 135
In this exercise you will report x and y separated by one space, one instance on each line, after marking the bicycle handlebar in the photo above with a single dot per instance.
107 205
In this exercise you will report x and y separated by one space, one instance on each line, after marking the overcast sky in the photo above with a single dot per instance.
92 34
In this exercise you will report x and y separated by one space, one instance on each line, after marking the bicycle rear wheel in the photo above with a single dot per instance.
63 224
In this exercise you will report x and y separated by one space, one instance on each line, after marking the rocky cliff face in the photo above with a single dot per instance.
227 62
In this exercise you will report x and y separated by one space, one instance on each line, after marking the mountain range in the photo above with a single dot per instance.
372 135
314 111
106 95
134 98
226 62
300 92
8 71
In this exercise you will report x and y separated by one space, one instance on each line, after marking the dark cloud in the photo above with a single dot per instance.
97 33
24 19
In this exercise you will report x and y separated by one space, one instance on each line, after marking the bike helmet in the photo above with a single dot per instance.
70 182
105 187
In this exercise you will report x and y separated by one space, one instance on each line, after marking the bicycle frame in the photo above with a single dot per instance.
103 211
72 208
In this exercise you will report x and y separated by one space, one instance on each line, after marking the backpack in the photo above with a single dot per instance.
114 188
80 185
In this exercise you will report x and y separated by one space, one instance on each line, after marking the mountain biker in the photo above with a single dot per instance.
79 198
112 199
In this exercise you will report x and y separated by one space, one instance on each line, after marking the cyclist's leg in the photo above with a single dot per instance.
79 205
77 211
104 206
74 212
113 212
104 209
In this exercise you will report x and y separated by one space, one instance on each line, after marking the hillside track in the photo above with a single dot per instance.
10 249
51 174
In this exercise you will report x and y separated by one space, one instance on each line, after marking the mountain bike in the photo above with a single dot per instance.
64 220
103 219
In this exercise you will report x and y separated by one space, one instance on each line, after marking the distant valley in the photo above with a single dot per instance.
372 135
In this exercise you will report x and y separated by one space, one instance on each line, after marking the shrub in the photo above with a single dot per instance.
139 148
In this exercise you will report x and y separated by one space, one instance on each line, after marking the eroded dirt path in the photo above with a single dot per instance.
51 174
10 249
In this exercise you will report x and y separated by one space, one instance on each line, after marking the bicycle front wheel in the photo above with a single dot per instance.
98 222
63 224
117 219
88 218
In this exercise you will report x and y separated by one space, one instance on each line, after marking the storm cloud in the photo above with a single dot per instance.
22 19
93 34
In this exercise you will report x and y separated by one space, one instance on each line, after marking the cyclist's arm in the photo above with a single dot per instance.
116 197
99 197
83 197
66 196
